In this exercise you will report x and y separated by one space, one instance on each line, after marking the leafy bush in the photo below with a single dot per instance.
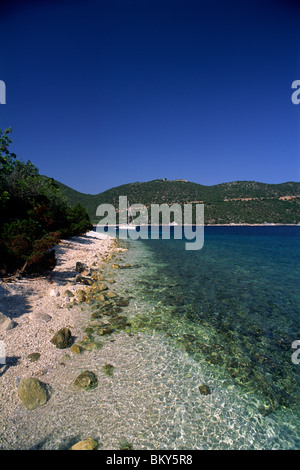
34 214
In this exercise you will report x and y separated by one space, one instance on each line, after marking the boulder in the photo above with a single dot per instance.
33 357
80 267
68 293
121 302
39 317
105 331
102 287
204 389
54 293
76 349
86 380
87 444
108 370
32 393
110 294
83 280
5 323
81 295
62 338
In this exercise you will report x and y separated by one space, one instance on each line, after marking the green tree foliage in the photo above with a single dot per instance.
34 214
223 203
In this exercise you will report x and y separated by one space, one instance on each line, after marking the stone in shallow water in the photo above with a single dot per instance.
125 445
86 380
87 444
62 338
105 331
110 294
204 389
33 357
76 349
121 302
108 369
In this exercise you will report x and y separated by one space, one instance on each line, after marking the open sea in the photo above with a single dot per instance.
230 310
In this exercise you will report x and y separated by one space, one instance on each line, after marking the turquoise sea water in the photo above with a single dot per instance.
233 306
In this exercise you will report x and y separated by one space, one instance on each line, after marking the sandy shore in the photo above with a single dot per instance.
140 405
151 400
37 308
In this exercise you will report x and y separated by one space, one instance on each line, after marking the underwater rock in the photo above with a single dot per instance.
122 302
83 280
96 315
93 345
204 389
189 338
102 286
62 338
87 444
86 380
105 331
81 295
76 349
215 359
174 301
110 294
33 357
125 445
265 410
108 370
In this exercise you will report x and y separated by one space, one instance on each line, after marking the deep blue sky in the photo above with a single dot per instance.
102 93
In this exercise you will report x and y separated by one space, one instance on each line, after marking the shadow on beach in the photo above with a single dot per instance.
14 304
10 362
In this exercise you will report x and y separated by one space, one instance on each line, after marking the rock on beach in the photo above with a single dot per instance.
32 393
62 339
5 323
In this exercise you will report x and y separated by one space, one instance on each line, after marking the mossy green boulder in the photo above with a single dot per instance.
86 380
87 444
32 393
62 338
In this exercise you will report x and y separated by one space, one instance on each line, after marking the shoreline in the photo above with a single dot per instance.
205 225
35 308
153 390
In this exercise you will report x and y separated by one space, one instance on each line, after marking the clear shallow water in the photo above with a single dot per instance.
225 316
234 308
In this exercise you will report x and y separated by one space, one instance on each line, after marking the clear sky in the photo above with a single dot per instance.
102 93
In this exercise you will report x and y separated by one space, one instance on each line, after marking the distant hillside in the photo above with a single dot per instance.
235 202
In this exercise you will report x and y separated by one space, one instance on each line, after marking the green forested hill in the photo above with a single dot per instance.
235 202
